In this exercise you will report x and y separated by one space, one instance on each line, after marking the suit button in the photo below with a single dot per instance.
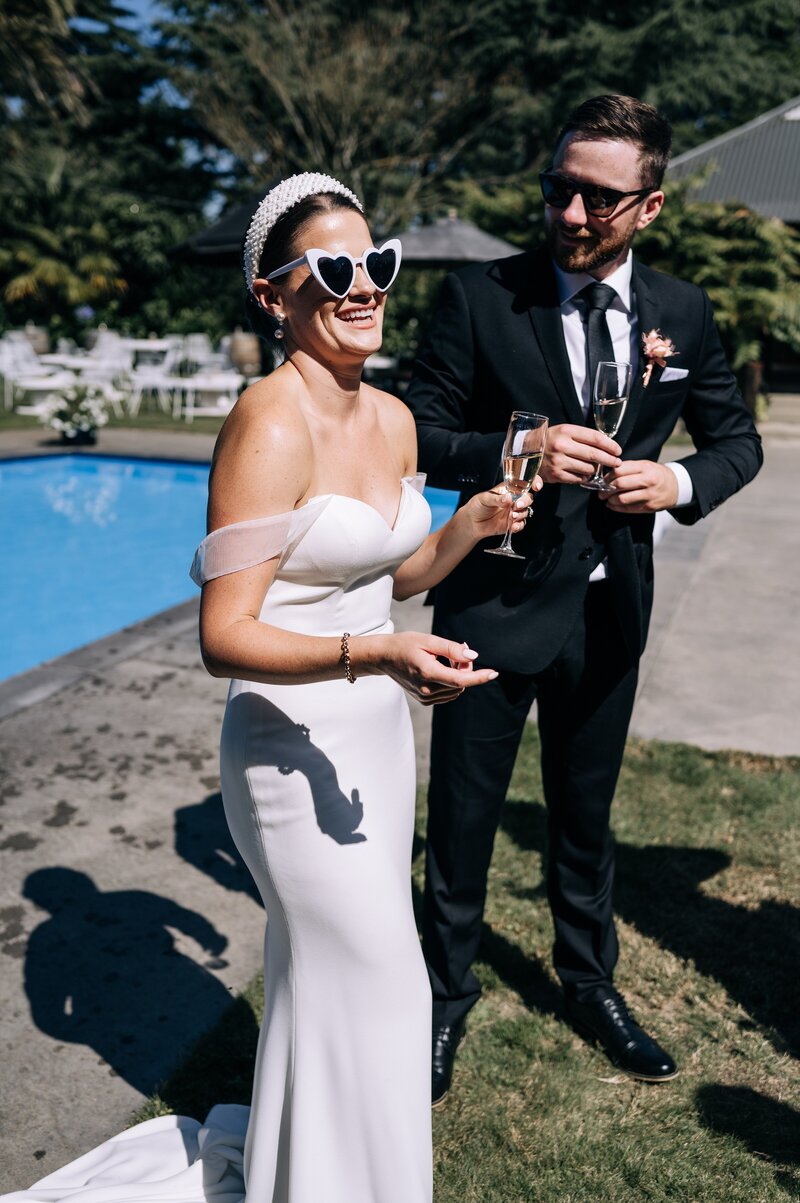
585 554
467 480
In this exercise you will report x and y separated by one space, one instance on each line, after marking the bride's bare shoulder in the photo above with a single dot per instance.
266 417
264 453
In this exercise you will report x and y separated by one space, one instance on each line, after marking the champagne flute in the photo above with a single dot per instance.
612 387
522 455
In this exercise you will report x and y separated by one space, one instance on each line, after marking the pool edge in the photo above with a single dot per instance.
46 679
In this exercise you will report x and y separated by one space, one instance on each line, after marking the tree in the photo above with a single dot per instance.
708 65
91 204
750 267
35 61
388 100
74 247
404 101
51 256
417 106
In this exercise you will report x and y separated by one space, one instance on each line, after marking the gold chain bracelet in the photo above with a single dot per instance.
345 658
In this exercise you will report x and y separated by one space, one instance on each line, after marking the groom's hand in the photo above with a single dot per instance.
573 453
644 487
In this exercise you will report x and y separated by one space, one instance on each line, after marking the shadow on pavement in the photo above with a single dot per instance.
103 970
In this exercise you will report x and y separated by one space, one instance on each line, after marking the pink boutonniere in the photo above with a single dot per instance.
656 350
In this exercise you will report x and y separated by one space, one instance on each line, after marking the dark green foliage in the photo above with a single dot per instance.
418 106
405 97
35 62
748 265
91 204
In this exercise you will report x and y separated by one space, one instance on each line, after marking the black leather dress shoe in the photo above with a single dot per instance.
447 1040
603 1017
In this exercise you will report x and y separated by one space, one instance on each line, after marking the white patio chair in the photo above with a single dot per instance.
40 389
19 362
105 341
111 373
105 375
20 355
197 349
211 394
156 379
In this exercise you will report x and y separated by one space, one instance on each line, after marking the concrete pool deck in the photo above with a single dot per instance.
125 922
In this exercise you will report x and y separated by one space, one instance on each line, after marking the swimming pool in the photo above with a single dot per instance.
95 543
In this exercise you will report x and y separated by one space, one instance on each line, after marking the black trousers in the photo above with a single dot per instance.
585 697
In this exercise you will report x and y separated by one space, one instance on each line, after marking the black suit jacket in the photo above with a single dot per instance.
496 344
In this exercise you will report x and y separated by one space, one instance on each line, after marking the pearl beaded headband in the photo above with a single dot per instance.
278 201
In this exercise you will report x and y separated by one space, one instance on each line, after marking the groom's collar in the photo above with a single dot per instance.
569 284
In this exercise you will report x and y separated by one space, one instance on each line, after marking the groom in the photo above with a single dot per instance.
567 624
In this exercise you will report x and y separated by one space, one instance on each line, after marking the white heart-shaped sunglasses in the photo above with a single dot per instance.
337 273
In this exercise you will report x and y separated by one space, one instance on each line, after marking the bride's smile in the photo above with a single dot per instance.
365 318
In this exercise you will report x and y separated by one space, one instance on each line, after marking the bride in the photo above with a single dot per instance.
316 521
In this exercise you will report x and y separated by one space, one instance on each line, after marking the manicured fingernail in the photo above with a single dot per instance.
493 676
468 652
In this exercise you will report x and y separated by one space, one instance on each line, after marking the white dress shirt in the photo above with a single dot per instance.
623 326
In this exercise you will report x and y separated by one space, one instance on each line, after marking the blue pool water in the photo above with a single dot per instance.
94 543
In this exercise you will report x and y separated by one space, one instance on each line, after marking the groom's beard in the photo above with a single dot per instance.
592 252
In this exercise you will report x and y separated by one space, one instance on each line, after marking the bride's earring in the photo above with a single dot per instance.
280 318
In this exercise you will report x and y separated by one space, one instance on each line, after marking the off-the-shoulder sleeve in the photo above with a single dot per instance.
245 544
417 481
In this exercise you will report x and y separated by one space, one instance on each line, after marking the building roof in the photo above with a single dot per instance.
220 245
757 164
451 240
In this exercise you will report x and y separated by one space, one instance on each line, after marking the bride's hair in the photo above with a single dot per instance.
282 245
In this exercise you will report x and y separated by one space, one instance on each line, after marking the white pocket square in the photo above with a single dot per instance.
673 374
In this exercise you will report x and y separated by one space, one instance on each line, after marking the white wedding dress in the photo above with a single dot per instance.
318 783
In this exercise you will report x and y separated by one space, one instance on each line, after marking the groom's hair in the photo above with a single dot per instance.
625 119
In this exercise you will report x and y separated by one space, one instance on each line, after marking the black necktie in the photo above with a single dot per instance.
596 299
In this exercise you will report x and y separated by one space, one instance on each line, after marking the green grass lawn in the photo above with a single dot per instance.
150 418
707 898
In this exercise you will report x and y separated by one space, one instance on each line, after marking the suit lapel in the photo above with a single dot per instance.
545 315
649 318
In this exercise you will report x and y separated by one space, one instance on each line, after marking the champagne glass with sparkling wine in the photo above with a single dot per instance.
612 387
522 455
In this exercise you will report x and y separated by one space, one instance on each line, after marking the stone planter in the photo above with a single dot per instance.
38 337
245 353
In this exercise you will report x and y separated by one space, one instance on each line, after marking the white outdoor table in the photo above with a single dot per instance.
148 351
147 344
74 363
196 388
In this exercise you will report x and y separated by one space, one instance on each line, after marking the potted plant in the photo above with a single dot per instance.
76 413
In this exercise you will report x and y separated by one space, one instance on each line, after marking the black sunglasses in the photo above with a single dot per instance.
558 191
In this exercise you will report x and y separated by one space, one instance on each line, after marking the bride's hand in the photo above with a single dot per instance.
488 512
414 661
